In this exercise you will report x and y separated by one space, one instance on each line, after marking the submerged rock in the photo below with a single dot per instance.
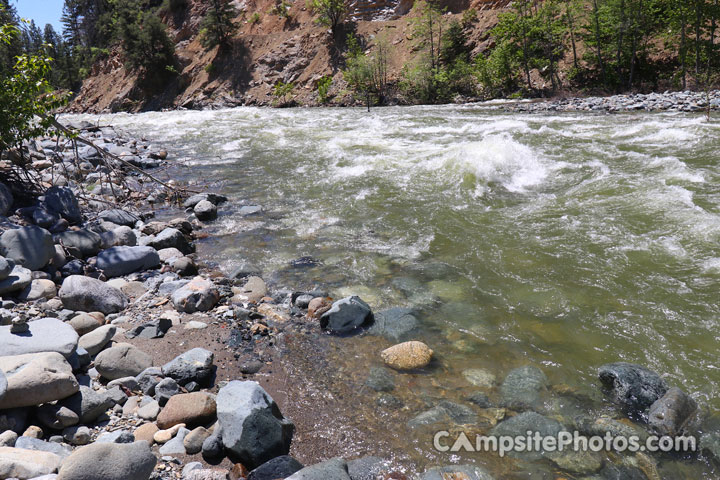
407 356
522 387
465 472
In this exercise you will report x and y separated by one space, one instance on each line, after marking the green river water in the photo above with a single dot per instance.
562 241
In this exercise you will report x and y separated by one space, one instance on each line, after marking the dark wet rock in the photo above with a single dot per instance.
6 199
122 360
30 247
29 443
119 217
245 270
119 261
86 242
171 238
18 280
87 294
253 428
199 295
521 424
301 299
44 335
305 262
88 404
632 386
73 267
153 329
466 472
109 461
604 425
347 316
205 211
279 467
36 378
522 388
195 365
333 469
445 411
213 198
380 380
669 414
62 201
395 324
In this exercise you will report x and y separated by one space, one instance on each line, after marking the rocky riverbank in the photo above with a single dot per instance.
123 357
686 101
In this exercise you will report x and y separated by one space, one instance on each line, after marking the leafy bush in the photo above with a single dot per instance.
217 28
254 18
469 18
323 87
281 9
282 92
367 75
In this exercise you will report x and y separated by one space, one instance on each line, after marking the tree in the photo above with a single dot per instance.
25 95
218 28
331 13
367 75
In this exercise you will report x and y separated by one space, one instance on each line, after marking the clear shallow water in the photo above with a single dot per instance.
564 241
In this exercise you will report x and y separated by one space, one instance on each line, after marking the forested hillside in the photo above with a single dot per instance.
149 54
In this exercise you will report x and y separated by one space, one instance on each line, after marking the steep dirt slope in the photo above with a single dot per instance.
292 49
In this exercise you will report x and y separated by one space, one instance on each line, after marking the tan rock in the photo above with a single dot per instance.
164 436
33 431
146 432
407 355
36 378
84 323
318 306
22 463
273 312
193 409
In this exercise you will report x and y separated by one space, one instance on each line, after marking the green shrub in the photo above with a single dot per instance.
323 87
331 13
282 92
469 18
254 18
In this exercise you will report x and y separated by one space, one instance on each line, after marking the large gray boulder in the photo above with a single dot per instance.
30 247
333 469
24 464
347 316
6 199
86 242
5 268
18 280
279 467
91 295
36 378
119 217
632 386
205 210
88 404
62 201
109 461
122 360
44 335
199 295
253 428
119 261
195 365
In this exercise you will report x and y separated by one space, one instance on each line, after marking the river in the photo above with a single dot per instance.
562 241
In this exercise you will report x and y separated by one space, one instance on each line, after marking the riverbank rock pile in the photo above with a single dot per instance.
652 102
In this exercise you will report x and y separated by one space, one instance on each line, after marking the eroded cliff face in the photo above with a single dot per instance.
293 49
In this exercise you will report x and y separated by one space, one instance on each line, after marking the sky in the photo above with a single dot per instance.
42 11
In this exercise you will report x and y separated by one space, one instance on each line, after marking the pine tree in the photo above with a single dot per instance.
217 27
